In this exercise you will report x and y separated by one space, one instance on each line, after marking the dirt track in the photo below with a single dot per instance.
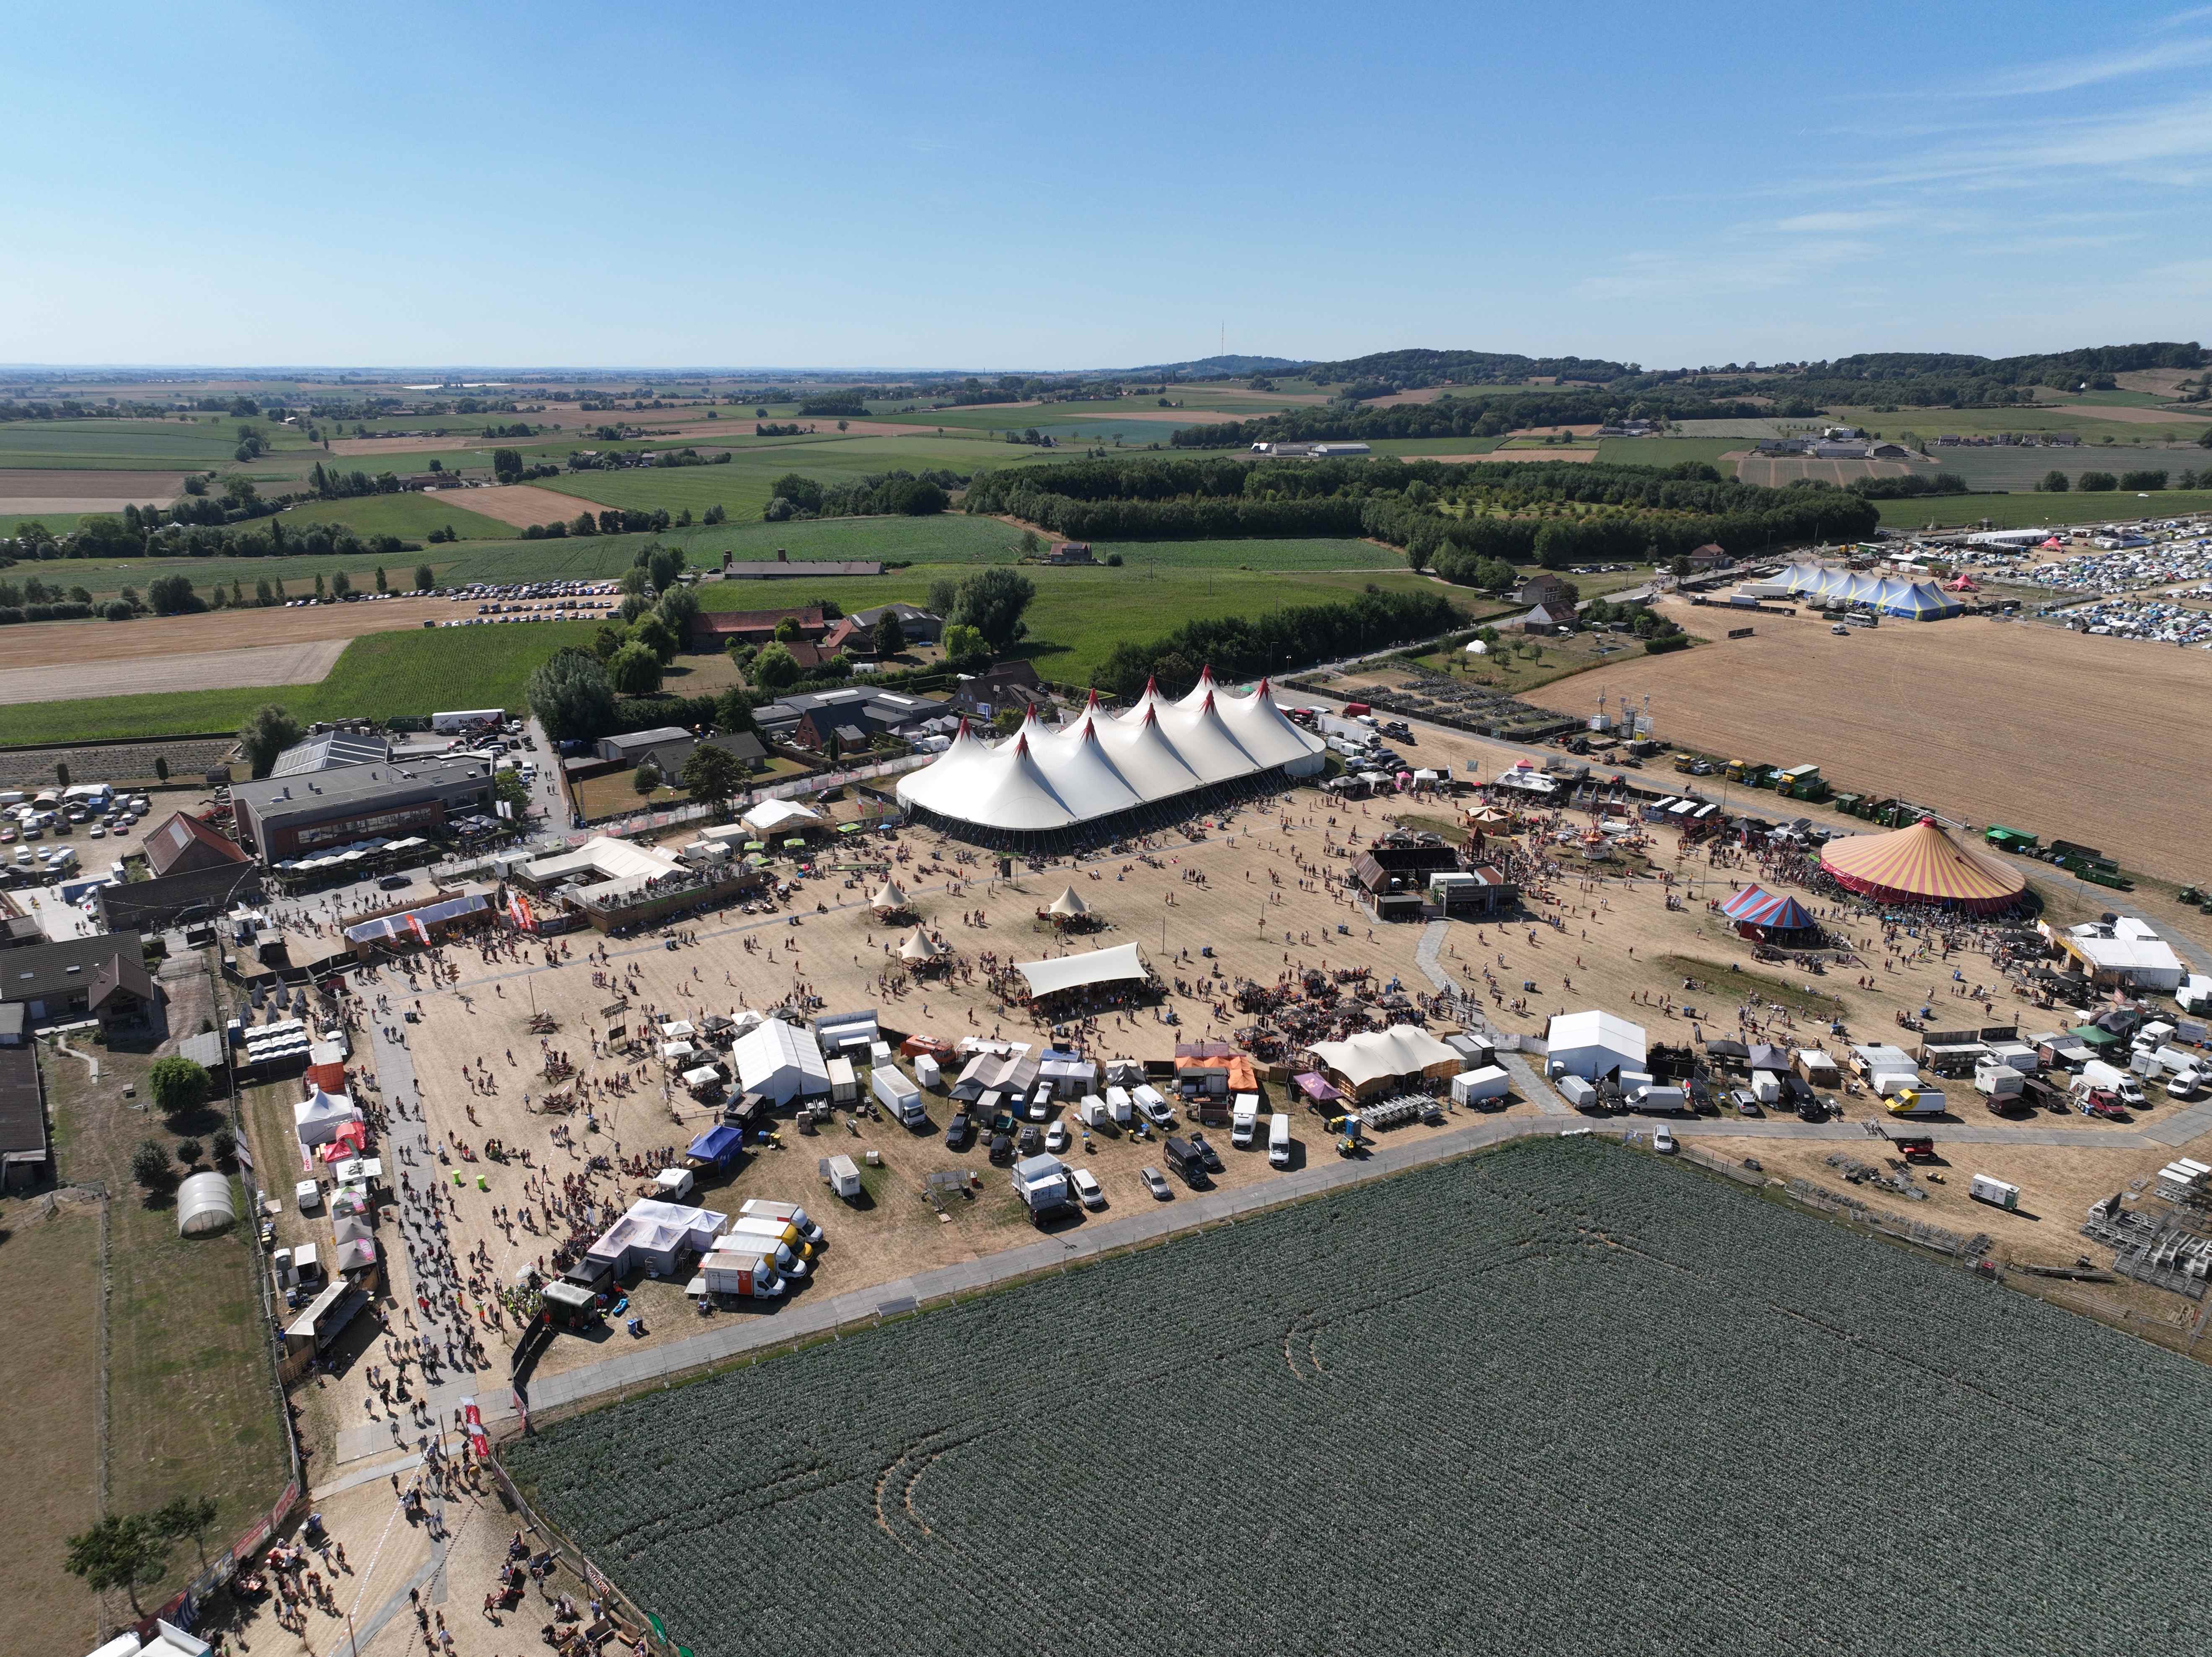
2054 732
214 670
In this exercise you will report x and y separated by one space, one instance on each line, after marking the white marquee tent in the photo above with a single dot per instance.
1372 1058
318 1118
1593 1045
780 817
1099 765
779 1062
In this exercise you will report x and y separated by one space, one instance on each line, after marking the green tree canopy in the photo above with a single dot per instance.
151 1164
679 607
657 636
120 1551
571 697
964 643
890 633
992 601
713 774
646 779
178 1085
787 630
663 565
775 669
171 595
634 670
270 730
734 711
424 579
802 492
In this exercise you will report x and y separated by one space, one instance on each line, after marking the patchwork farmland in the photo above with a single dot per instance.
1568 1321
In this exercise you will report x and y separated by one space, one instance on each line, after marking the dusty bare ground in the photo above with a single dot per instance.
1777 471
1978 719
519 504
45 644
260 664
1588 430
118 487
1584 456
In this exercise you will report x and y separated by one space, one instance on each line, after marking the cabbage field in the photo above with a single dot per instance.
1560 1398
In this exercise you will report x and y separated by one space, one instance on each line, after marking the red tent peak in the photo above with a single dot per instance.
1261 689
1151 686
1091 701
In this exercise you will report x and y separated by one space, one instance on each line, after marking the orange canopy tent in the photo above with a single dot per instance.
1922 864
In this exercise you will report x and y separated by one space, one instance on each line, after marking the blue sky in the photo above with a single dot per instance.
1051 187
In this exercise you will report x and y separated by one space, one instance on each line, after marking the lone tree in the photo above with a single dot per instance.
775 669
179 1084
645 779
120 1551
890 633
151 1165
657 636
186 1517
713 774
634 670
2055 483
992 601
269 732
422 578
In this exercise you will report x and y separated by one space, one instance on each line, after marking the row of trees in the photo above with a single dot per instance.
2095 483
899 494
1278 641
130 1551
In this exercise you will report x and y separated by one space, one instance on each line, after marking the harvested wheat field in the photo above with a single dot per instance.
524 504
2058 733
1584 455
47 645
307 663
17 487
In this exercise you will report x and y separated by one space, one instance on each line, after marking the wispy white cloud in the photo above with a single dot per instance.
1653 273
2068 74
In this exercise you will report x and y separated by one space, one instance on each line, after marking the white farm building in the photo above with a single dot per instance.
1102 775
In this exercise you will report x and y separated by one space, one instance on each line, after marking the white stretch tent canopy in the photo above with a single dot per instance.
1374 1056
780 1062
777 816
1068 904
1595 1044
1119 965
1096 765
318 1118
919 945
888 896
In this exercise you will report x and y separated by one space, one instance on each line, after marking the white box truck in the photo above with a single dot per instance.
1278 1139
844 1086
1662 1101
778 1239
1998 1081
897 1095
1118 1106
735 1272
927 1073
1244 1120
1041 1182
843 1175
791 1213
1996 1192
1092 1112
2097 1076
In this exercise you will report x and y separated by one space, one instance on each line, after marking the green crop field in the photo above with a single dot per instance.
380 675
1672 450
1932 422
104 578
1565 1397
2022 469
1321 553
2013 512
411 515
1079 615
122 445
60 523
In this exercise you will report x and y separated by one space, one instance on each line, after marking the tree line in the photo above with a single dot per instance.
1279 641
1481 414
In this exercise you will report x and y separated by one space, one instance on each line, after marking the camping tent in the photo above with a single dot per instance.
1769 914
1593 1045
1922 864
357 1255
780 1062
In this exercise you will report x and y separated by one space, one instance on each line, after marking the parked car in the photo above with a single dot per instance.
1212 1156
1662 1140
1031 1142
1745 1104
1156 1183
1811 1110
1002 1148
1088 1191
1057 1137
958 1132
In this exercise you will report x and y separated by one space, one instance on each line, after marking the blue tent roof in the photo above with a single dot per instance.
716 1143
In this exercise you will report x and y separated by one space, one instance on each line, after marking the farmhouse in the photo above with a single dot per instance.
1556 617
853 714
1101 775
185 846
281 817
921 626
712 629
104 976
1070 552
1544 588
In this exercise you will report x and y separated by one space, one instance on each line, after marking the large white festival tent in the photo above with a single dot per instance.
1156 761
1891 595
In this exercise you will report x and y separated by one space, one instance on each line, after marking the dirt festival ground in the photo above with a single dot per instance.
2055 732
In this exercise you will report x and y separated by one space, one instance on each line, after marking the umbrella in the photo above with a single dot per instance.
756 846
794 844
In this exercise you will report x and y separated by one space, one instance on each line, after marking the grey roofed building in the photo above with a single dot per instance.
53 981
888 710
921 626
627 748
23 1144
329 751
668 756
284 816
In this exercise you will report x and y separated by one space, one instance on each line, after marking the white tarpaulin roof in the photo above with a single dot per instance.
1073 972
1591 1043
1401 1050
1096 765
318 1118
772 817
779 1062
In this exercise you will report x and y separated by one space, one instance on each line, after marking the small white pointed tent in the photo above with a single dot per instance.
919 945
889 899
780 817
1069 904
318 1118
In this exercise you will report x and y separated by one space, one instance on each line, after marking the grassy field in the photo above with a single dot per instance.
50 1282
2020 469
105 577
1508 666
1577 1320
1671 451
1080 615
380 675
2012 512
1930 423
61 523
161 445
1324 552
410 516
192 1401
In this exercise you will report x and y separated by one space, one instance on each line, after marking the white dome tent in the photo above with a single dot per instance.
1099 776
204 1206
